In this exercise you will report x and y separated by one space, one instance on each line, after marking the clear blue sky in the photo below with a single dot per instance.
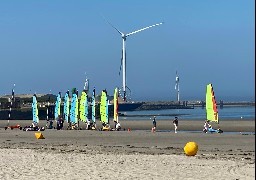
50 44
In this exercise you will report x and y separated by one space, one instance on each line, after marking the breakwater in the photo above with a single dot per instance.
165 105
157 105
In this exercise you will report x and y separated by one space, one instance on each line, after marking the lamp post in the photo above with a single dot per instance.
48 106
11 101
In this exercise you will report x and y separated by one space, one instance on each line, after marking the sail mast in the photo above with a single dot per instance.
93 106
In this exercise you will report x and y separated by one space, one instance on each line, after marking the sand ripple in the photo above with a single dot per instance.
35 164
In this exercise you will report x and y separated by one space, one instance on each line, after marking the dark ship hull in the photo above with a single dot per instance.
129 106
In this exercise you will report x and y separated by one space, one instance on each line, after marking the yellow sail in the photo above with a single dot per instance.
211 105
116 105
82 107
103 108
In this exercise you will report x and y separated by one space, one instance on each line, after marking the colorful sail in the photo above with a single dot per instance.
116 105
74 109
104 107
83 108
35 110
211 105
66 106
57 106
93 106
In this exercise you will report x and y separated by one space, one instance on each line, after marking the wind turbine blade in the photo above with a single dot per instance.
112 25
143 29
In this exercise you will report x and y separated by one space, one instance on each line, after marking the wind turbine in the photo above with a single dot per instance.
86 84
177 87
124 36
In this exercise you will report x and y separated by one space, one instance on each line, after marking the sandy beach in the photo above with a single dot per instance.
135 154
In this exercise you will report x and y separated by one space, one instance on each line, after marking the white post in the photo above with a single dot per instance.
178 94
124 69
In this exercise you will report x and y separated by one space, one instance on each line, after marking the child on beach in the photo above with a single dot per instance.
175 123
118 126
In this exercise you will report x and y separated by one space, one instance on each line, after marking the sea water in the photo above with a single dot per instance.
198 113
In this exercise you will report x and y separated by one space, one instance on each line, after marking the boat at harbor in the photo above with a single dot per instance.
124 105
129 106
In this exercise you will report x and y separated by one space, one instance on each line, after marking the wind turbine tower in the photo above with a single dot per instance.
124 36
177 87
86 84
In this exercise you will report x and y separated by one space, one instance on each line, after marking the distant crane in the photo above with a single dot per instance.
124 36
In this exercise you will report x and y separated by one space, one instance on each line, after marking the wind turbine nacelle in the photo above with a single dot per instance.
124 36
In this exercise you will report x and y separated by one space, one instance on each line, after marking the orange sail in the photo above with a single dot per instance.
116 105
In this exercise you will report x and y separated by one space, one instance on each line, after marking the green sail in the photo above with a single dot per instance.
211 105
104 107
82 107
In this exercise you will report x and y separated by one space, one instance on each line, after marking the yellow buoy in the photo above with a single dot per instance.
39 136
191 148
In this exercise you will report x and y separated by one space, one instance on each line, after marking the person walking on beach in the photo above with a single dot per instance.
206 126
175 123
60 122
154 124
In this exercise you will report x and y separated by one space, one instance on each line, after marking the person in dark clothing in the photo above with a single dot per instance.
154 124
60 122
175 123
50 124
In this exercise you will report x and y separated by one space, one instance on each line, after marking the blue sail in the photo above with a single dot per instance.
35 110
66 106
74 109
57 106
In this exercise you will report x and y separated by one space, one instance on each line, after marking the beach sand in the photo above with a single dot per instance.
135 154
